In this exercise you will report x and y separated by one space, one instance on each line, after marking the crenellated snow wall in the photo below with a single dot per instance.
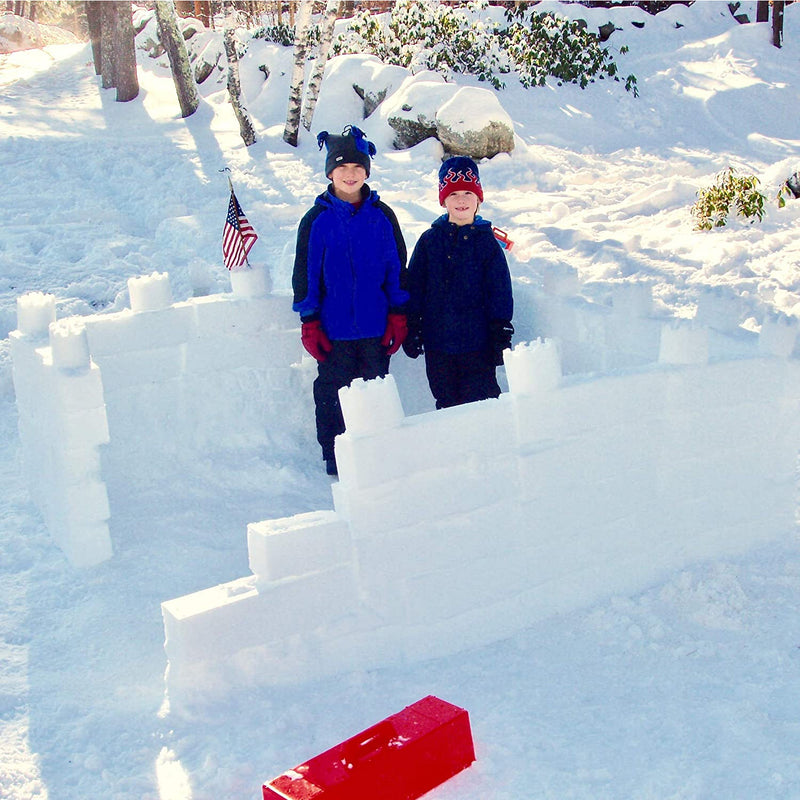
626 445
143 392
456 528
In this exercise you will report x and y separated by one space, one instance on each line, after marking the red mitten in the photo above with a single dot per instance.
314 340
396 332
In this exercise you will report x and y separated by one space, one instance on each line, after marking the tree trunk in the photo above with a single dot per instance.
172 39
777 22
246 129
302 26
94 14
107 24
127 80
202 11
326 39
762 11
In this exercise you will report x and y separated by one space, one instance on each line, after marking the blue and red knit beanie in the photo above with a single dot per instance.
459 174
351 147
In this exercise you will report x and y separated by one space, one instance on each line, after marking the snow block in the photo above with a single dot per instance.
778 337
243 612
297 545
683 344
35 312
632 300
435 439
252 281
226 314
69 344
423 496
370 406
84 543
127 331
77 391
151 367
533 368
150 292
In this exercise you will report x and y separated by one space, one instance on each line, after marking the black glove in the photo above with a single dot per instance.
500 333
412 346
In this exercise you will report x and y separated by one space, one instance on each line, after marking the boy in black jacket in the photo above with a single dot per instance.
461 305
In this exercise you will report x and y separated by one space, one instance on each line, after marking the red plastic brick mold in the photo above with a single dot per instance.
400 758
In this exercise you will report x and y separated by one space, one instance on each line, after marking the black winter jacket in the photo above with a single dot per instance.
459 282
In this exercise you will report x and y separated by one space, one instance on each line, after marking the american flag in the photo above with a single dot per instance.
238 235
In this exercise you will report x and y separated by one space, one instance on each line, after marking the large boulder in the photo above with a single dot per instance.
466 120
473 123
411 110
18 33
354 86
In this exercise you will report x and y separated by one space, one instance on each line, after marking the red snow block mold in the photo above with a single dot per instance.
400 758
502 238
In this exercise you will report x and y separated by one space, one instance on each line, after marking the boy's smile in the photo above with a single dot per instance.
461 207
347 181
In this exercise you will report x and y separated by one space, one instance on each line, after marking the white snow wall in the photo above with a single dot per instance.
145 392
459 527
114 404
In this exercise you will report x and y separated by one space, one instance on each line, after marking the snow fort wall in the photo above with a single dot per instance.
143 393
115 405
455 528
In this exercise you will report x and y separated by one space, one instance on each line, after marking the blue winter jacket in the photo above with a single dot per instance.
350 266
459 282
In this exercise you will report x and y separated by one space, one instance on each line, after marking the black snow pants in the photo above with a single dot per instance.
456 378
348 360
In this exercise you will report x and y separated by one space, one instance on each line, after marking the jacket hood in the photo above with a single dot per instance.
444 222
329 200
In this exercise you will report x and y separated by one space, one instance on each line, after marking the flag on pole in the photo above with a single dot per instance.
238 236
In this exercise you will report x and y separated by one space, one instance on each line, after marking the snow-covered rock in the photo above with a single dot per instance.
466 120
18 33
473 123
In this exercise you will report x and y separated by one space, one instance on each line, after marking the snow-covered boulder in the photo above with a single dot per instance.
368 79
18 33
411 110
466 120
205 53
473 123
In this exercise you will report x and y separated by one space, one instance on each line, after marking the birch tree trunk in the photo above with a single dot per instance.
332 10
246 129
303 23
172 39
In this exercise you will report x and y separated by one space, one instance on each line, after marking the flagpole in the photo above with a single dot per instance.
238 225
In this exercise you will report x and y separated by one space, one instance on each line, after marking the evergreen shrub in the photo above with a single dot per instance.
450 40
729 189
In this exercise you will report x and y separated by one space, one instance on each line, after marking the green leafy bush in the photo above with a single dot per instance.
448 40
283 34
729 189
280 34
430 36
544 45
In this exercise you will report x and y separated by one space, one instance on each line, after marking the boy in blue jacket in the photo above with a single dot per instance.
349 281
461 303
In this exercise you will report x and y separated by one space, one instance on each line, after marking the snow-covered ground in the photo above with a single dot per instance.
688 690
